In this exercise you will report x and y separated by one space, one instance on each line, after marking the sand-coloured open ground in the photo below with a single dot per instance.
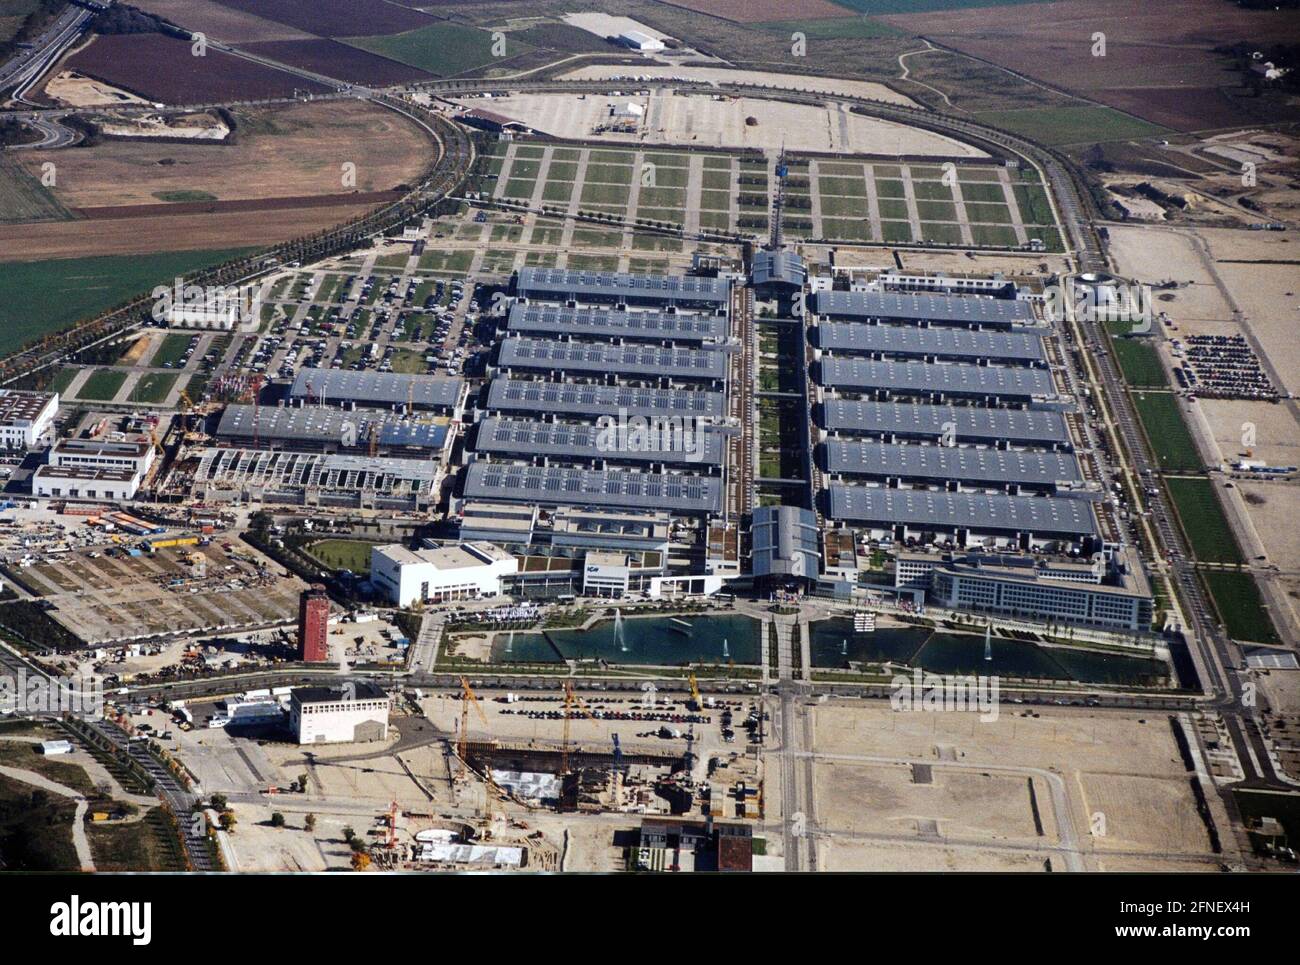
279 152
705 121
763 78
77 90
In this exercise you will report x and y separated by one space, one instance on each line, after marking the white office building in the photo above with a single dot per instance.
353 713
639 40
94 469
468 571
25 417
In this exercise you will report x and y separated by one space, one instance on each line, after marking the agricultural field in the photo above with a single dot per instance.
1172 443
330 58
335 18
758 11
41 297
442 49
24 198
1072 125
219 21
163 69
1202 519
1158 64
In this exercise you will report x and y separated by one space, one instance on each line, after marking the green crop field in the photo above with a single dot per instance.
37 297
1203 520
849 28
1167 432
443 49
1240 606
24 198
102 386
1071 125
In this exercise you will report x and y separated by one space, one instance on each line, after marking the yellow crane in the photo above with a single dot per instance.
572 702
467 697
695 691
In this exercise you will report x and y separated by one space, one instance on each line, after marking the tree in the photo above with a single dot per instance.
218 802
348 833
277 819
228 821
309 822
360 861
302 782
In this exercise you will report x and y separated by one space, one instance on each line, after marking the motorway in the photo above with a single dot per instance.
28 65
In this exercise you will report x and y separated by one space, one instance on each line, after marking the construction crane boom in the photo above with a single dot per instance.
467 697
572 702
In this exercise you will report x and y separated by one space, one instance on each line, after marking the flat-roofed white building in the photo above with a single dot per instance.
137 457
25 417
433 575
352 713
641 41
94 469
221 315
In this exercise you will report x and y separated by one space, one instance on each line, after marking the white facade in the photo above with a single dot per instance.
54 482
221 316
25 417
606 574
137 457
641 41
319 715
465 572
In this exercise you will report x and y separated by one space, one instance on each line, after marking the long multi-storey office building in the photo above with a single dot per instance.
577 400
679 494
606 360
679 328
956 468
598 287
1021 520
923 309
962 424
593 445
935 382
1009 347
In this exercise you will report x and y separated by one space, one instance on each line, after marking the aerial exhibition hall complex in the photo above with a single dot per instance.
662 437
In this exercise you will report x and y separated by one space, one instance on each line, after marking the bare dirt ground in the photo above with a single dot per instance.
709 122
138 236
76 90
279 152
220 22
1129 770
826 85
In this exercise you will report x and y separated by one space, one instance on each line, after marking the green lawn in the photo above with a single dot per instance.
343 554
153 387
1170 440
1071 125
170 352
102 385
1236 597
1203 520
37 297
1139 363
443 49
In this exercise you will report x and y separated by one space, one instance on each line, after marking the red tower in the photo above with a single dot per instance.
314 625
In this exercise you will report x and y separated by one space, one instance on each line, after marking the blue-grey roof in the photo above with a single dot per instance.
590 401
538 318
1048 516
376 388
778 267
785 542
970 423
924 306
588 442
552 282
935 377
946 343
605 358
558 486
961 464
318 425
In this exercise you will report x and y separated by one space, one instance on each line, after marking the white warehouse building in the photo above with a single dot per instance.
434 575
639 40
25 417
353 713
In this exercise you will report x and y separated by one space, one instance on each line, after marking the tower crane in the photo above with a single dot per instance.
467 697
695 692
572 702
